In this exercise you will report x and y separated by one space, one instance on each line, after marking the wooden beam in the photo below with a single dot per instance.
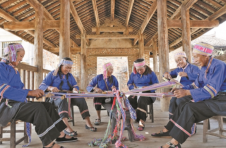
72 50
163 45
64 29
147 18
26 25
76 17
186 31
149 43
83 62
131 2
112 10
96 16
194 23
141 46
9 17
47 15
108 36
218 14
189 4
38 43
112 29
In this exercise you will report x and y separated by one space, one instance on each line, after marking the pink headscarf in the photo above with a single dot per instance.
138 65
180 54
11 51
106 66
203 49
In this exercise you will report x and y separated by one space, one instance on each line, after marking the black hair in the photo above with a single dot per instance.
147 68
67 75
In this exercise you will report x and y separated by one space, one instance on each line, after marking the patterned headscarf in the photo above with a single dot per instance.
106 66
10 52
62 62
203 49
137 64
180 54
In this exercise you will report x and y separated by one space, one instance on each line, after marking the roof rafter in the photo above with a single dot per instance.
35 4
149 15
9 17
96 16
112 10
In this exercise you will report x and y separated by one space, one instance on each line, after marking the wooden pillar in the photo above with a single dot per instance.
163 46
141 46
83 62
64 28
38 42
186 32
155 56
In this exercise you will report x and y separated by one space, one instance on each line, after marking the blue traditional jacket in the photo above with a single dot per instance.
51 80
142 80
192 72
100 82
206 86
11 88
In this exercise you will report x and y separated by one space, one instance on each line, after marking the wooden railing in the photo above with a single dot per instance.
27 74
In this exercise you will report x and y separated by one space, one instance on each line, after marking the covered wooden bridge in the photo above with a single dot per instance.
86 29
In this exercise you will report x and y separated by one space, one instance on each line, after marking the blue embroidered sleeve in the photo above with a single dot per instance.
194 73
9 92
73 82
154 80
174 73
115 83
130 82
216 78
47 81
92 84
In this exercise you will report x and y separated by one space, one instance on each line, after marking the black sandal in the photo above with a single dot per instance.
172 145
52 146
161 134
93 129
72 134
64 139
97 121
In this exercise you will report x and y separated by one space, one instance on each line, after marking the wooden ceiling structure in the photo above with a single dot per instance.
64 26
87 15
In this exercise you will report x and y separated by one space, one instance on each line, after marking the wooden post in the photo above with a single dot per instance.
163 46
83 62
186 32
64 28
141 46
155 60
38 42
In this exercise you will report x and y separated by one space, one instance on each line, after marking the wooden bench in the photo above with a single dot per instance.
213 131
13 132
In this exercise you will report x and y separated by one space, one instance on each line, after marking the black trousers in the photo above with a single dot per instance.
141 106
100 101
62 106
175 102
185 116
44 117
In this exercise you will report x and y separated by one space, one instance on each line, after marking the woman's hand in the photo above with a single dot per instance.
113 87
53 89
167 75
179 93
97 90
36 93
75 90
183 74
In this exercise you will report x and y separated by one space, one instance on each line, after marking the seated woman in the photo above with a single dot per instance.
188 74
141 76
205 97
14 106
100 83
61 79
